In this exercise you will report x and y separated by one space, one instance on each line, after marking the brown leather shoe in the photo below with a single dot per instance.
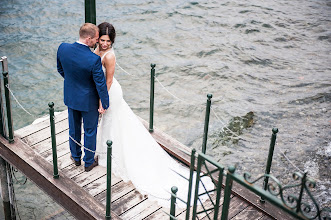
77 163
94 164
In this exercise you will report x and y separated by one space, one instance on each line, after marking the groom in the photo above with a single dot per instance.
84 86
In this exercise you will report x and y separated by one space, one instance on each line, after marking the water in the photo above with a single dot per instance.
268 58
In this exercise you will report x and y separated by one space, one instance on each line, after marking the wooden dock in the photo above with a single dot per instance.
83 194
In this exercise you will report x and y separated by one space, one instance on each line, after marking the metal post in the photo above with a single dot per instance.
205 132
2 116
108 193
196 192
90 11
174 190
303 185
151 108
218 193
269 161
189 194
4 189
51 117
7 96
227 193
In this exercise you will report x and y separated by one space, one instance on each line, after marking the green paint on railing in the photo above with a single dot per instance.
108 193
205 132
174 190
151 106
269 161
90 12
189 193
53 137
8 108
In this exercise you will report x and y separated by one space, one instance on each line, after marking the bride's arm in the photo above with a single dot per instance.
110 69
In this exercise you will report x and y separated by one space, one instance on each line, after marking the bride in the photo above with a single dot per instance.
137 157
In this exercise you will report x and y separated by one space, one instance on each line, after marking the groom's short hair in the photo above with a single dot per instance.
88 30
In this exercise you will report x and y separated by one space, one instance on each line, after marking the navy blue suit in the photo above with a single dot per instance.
84 85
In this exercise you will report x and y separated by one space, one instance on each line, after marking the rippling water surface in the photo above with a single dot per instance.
266 63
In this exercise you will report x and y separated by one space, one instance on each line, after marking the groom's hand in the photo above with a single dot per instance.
101 110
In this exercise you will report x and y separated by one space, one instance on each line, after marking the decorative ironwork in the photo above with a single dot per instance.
294 202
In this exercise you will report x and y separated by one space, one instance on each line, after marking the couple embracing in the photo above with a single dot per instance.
86 87
90 89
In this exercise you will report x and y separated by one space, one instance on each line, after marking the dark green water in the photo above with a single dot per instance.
268 58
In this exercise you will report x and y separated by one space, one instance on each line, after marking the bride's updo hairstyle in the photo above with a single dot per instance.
107 29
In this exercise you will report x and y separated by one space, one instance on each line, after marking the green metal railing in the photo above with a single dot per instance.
151 105
2 111
174 190
53 137
90 11
269 161
205 132
10 132
295 199
108 193
291 203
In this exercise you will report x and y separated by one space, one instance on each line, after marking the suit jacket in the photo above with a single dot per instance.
84 80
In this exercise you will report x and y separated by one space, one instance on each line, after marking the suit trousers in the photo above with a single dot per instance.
90 123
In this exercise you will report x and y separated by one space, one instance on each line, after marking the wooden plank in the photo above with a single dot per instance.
64 161
85 178
46 144
147 211
45 133
266 217
100 185
32 128
236 206
63 190
127 202
140 210
117 191
61 150
159 214
248 213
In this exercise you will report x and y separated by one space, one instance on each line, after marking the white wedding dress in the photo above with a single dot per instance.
136 156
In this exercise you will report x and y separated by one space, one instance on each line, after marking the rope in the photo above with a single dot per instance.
124 70
283 154
17 100
212 109
170 92
87 148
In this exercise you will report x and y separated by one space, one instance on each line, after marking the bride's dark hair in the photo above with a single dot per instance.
107 29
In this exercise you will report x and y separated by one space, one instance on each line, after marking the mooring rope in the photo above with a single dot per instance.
124 70
212 109
17 100
96 152
288 159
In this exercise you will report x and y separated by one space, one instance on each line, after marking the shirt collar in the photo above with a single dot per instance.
81 43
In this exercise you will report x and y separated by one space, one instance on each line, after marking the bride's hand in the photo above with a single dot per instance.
101 110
